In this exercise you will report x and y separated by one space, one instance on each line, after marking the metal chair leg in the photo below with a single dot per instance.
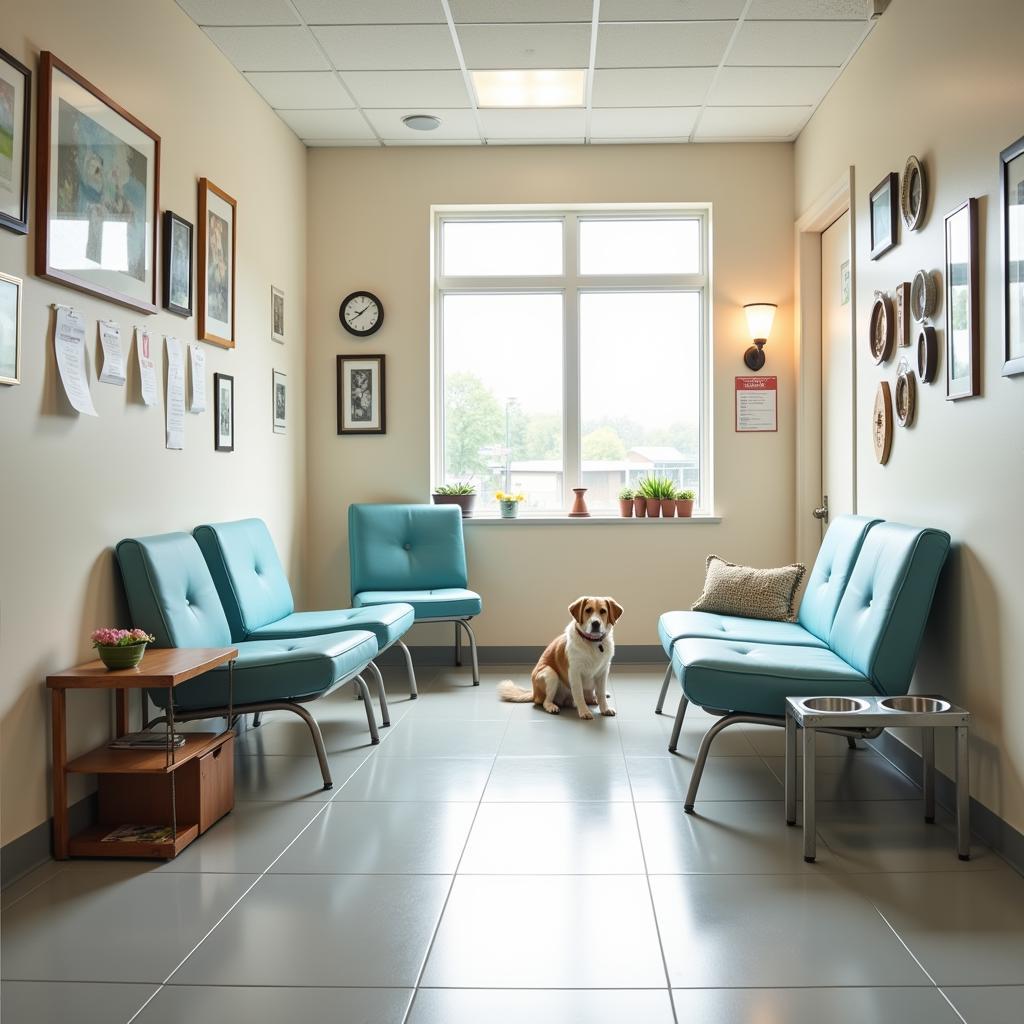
382 696
724 722
371 721
318 742
664 690
413 692
256 719
472 650
677 726
458 646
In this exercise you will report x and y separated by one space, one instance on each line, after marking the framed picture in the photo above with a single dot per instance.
1011 192
280 402
963 369
10 329
223 412
361 396
884 202
276 315
97 191
216 265
15 101
177 269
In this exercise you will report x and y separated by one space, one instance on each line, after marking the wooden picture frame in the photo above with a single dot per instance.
177 250
1011 217
88 202
10 328
223 412
15 94
883 213
362 395
279 402
218 220
962 300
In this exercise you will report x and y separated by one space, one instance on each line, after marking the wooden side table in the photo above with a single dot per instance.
131 780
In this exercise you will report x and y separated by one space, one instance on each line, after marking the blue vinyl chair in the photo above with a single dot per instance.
172 595
258 600
414 554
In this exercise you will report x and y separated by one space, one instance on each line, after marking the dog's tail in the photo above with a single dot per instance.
507 690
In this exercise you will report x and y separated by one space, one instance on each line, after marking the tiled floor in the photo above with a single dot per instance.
488 862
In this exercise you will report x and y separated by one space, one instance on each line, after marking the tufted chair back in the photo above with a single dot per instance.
406 547
249 577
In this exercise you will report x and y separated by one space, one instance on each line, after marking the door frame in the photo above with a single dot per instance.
810 225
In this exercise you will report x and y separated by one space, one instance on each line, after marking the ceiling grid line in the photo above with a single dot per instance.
595 24
470 91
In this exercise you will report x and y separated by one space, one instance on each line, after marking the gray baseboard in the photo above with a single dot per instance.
986 825
35 847
441 654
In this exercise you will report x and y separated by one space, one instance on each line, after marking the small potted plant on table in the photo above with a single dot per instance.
626 502
684 504
120 648
509 504
461 494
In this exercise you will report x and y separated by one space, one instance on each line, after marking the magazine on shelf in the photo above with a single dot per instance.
140 834
146 741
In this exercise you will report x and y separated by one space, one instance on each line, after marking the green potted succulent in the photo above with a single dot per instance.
684 503
120 648
639 503
626 502
461 494
659 496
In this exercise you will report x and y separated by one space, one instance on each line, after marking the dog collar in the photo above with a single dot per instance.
592 639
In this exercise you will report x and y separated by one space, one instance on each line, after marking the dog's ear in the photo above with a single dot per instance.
614 611
576 608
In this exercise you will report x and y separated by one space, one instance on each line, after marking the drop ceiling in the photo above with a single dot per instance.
345 72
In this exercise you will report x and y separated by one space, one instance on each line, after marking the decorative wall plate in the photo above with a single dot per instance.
923 294
913 193
905 399
881 423
881 330
903 314
927 354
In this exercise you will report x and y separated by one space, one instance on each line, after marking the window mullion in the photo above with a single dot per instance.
573 475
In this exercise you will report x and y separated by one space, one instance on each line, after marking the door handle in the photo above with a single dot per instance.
822 511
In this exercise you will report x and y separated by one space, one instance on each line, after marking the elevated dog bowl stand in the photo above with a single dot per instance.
840 713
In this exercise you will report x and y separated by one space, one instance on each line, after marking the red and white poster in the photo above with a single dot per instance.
757 405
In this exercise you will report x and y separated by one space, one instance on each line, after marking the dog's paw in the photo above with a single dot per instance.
608 712
551 709
585 714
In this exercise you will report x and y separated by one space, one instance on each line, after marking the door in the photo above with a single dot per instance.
837 372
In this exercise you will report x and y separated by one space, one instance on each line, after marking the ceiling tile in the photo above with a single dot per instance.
525 46
371 12
670 10
795 43
651 87
432 142
408 88
537 142
643 122
498 11
455 124
326 124
737 87
269 49
388 47
533 124
296 90
239 12
824 10
639 142
696 44
339 143
752 122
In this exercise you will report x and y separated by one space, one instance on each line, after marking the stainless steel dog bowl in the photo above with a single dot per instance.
915 705
835 705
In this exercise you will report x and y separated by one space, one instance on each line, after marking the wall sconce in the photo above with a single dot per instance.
759 319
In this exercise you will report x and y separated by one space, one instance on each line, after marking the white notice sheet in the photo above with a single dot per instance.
69 341
175 394
113 358
147 367
198 360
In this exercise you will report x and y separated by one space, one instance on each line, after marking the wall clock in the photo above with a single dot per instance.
927 354
905 398
881 332
913 193
923 294
361 314
881 423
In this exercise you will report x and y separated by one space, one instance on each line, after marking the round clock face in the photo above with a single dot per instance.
881 328
361 314
913 193
922 295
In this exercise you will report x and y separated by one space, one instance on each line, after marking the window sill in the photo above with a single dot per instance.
605 519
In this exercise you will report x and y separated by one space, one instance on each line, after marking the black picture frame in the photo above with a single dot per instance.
883 205
960 274
1013 261
19 223
173 223
223 442
347 422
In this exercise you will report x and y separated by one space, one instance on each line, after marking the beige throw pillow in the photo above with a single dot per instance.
731 589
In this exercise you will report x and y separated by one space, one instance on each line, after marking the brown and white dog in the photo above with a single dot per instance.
574 667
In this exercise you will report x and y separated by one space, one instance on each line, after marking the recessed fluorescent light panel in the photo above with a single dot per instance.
559 87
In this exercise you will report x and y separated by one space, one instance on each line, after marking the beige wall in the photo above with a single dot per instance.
944 80
72 486
369 227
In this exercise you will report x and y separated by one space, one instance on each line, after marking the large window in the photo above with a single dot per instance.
571 349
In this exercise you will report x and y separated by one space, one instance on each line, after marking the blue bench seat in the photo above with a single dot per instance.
446 603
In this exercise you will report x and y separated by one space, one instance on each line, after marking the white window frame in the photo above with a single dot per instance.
571 284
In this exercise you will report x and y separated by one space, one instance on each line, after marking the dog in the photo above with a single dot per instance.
573 670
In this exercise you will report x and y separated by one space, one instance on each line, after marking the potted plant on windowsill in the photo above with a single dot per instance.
120 648
509 504
626 502
639 504
684 504
659 493
461 494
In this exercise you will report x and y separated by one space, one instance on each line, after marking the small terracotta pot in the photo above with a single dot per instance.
579 504
668 508
464 501
640 507
626 508
653 507
684 507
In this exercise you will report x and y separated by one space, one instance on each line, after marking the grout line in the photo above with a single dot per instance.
588 101
466 80
721 64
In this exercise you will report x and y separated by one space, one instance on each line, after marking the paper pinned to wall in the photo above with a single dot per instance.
69 342
113 357
147 368
757 405
175 394
198 360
